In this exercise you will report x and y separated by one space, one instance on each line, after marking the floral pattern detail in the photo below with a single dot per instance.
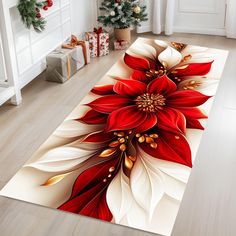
125 154
144 118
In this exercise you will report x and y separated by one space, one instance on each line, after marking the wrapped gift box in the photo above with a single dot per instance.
63 63
121 44
98 42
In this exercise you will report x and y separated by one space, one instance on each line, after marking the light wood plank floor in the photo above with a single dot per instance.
208 207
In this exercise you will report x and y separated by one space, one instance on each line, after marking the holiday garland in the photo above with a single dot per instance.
30 11
122 14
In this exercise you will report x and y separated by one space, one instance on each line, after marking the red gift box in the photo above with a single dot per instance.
98 42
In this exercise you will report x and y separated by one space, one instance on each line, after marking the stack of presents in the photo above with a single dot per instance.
65 61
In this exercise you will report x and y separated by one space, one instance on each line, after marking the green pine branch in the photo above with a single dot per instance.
29 14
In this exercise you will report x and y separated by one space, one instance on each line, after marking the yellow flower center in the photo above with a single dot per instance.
150 102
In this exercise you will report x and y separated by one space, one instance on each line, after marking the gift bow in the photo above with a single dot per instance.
98 30
73 43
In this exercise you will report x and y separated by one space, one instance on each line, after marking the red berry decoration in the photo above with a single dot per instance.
45 8
38 15
50 3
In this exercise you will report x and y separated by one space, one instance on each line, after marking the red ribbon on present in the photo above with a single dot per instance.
120 41
98 31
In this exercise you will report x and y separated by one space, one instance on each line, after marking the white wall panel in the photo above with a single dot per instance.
24 60
202 16
31 47
41 48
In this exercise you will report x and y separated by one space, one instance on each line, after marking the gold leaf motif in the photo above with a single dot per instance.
55 179
149 140
112 169
128 163
107 152
122 147
154 135
114 144
153 145
141 139
132 158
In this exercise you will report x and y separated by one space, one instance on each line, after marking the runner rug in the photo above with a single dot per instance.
124 155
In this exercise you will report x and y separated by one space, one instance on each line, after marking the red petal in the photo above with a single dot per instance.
93 117
109 103
162 85
171 120
194 124
188 98
125 118
98 208
149 122
137 63
99 137
170 147
140 76
192 112
129 88
89 192
103 90
197 69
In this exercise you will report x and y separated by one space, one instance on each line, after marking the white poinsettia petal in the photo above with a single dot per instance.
207 86
61 159
198 54
200 58
136 217
170 57
194 49
143 50
161 43
119 196
73 128
146 185
174 170
173 188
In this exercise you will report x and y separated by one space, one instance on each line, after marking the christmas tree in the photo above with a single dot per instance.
122 14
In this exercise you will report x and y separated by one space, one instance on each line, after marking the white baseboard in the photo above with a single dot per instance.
210 31
177 29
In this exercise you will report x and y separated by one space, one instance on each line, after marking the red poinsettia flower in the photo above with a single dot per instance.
135 105
176 66
119 152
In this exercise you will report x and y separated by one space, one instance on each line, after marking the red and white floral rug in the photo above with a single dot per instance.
124 155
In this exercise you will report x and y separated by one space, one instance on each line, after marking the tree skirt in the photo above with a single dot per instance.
124 155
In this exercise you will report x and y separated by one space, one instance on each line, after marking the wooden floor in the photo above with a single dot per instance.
209 205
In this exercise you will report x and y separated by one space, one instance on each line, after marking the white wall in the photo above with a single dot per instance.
84 15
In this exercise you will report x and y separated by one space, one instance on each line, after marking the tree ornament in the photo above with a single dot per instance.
112 13
137 10
30 12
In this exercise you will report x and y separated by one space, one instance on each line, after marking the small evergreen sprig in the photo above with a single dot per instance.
122 14
30 13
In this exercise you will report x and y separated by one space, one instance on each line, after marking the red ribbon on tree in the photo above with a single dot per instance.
98 31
